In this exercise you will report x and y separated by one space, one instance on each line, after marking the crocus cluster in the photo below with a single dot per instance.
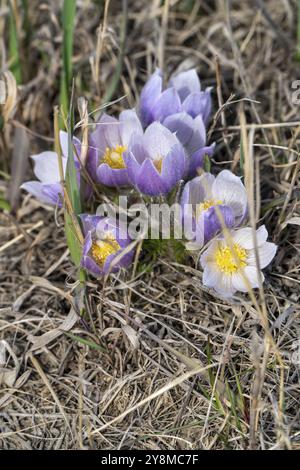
153 149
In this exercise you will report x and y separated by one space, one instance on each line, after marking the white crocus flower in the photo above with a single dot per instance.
225 266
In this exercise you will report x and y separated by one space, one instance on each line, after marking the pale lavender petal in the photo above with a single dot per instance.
36 189
133 167
54 193
200 188
107 132
229 189
186 83
168 103
89 222
64 144
137 148
198 136
150 93
46 167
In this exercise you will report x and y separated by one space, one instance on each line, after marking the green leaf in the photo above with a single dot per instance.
87 342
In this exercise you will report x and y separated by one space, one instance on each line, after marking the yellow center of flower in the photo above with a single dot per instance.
114 157
158 164
230 260
203 206
101 249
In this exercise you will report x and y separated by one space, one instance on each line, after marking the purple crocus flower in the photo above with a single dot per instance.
183 94
48 189
108 143
199 200
104 241
156 160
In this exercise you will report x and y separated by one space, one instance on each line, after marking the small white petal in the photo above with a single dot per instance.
251 274
208 255
266 253
211 276
225 287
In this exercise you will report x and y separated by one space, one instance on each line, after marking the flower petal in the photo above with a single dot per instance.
186 83
168 103
211 275
173 166
111 176
182 125
244 237
133 167
197 104
211 220
46 167
266 253
129 124
229 189
110 131
158 140
150 93
251 275
89 222
36 189
149 181
197 158
54 193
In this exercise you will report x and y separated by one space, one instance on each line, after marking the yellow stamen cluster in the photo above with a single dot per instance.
158 164
203 206
101 249
230 260
114 157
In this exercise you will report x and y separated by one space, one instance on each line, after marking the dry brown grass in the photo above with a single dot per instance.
175 366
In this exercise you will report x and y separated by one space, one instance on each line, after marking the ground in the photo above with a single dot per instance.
158 362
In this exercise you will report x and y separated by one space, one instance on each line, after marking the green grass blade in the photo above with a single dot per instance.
14 56
68 22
